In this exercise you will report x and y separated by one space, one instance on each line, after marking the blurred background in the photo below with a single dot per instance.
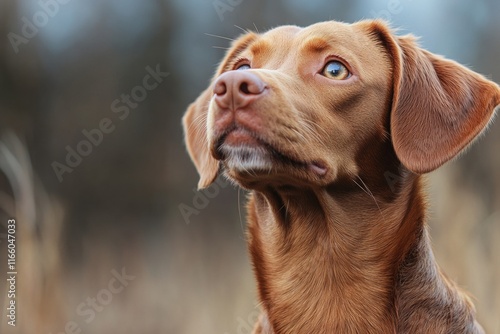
111 235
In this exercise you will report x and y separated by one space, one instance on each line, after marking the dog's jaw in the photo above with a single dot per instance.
250 160
247 158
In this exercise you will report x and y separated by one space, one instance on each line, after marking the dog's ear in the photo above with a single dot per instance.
195 131
196 117
438 107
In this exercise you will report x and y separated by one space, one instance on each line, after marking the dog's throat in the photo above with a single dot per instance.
317 261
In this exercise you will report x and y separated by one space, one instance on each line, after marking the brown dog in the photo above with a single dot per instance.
330 127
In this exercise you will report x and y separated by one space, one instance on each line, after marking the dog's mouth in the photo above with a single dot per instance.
245 151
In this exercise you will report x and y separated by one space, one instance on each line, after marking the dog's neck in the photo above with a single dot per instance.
331 260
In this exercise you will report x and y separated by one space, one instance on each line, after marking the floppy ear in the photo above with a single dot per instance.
195 132
195 121
438 107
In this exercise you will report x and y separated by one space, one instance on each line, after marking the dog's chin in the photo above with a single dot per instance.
246 159
254 166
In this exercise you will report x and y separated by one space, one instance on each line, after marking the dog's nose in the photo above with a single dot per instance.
237 89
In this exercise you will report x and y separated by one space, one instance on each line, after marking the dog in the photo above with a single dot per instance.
330 127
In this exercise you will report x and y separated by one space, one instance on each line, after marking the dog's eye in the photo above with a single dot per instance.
336 70
243 67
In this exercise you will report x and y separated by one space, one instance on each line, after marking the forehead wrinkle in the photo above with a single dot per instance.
315 45
260 47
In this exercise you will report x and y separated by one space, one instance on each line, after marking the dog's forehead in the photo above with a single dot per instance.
292 44
328 31
282 32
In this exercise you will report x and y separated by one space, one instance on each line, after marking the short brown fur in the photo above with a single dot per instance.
337 220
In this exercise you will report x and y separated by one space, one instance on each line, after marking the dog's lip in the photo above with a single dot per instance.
318 168
240 136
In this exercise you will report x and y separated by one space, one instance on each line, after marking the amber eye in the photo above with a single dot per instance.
243 67
336 70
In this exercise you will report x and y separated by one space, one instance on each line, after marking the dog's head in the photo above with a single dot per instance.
303 105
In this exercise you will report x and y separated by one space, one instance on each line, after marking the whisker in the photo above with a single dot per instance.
298 133
367 191
197 126
221 37
313 133
310 131
246 31
256 29
315 125
198 122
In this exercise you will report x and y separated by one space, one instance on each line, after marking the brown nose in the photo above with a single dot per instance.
237 89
